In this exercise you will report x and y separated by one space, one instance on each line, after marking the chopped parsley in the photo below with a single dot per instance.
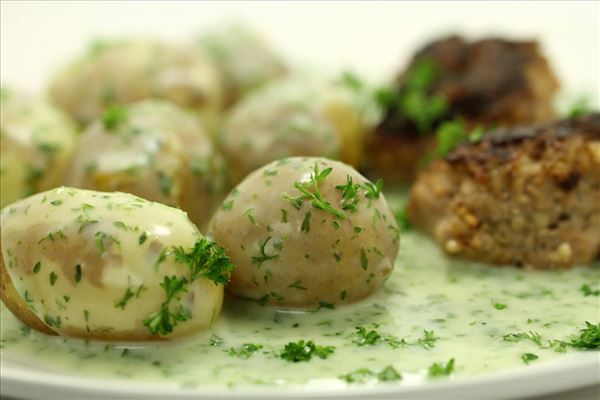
366 338
305 227
143 238
517 337
37 267
361 375
452 133
441 369
304 351
244 351
56 202
284 216
587 290
428 340
53 278
215 340
364 260
263 255
528 357
403 220
78 273
499 306
114 116
297 285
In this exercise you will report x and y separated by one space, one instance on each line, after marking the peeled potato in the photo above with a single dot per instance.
292 117
307 231
121 72
244 60
107 266
36 144
155 150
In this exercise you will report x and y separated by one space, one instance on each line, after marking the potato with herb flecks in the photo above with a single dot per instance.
108 266
244 60
36 142
124 71
154 150
293 117
307 232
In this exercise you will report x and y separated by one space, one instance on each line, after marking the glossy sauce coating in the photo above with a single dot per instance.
293 252
92 264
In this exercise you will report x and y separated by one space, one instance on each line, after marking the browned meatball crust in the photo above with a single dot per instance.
493 82
528 196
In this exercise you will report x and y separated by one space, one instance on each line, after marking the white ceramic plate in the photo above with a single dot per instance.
30 55
569 372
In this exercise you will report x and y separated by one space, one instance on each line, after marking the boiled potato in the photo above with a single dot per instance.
155 150
292 117
129 70
108 266
305 232
36 142
243 59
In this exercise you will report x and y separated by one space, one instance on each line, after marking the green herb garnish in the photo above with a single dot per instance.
373 191
441 369
528 357
589 337
245 351
587 290
114 116
263 255
205 260
349 194
310 191
517 337
428 340
304 351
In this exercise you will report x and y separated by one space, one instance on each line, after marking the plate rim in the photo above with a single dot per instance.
567 372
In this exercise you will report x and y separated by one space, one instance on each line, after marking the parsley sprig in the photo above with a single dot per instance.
310 191
350 194
415 100
589 337
205 260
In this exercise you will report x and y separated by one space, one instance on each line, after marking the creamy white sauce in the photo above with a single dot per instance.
455 299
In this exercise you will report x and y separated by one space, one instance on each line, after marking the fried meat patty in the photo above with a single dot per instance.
492 82
527 196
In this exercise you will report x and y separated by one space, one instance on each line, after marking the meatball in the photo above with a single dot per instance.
292 117
244 60
307 232
489 82
155 150
36 142
126 71
528 196
108 266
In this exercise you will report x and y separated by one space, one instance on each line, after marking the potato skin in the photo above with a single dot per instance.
304 257
157 151
92 265
125 71
36 144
